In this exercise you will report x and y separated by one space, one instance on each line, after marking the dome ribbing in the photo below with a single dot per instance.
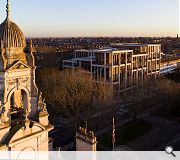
11 35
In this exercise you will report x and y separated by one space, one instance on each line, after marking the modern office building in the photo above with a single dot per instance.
122 65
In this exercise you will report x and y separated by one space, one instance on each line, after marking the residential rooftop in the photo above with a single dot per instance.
133 44
109 49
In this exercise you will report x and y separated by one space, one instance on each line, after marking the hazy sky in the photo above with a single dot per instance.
94 17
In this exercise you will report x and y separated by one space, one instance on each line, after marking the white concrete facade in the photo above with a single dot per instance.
123 67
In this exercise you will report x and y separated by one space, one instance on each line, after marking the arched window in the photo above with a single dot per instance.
18 105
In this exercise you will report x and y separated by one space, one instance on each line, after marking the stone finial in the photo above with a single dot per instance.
82 130
8 8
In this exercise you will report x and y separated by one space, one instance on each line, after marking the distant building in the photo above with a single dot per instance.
122 65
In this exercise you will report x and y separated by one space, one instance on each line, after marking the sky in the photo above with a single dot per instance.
69 18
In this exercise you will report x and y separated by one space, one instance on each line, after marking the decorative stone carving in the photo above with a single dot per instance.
17 82
41 104
2 116
84 131
24 80
43 113
11 82
44 109
18 65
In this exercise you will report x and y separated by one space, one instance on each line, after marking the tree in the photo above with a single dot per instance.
73 91
152 93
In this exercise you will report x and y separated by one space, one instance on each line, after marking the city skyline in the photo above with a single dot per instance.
68 18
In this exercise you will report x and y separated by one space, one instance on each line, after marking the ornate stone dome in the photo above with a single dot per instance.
11 35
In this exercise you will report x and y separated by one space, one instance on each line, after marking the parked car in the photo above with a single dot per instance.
123 110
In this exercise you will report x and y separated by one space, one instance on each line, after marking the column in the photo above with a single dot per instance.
119 71
91 66
126 70
132 68
105 67
112 58
156 65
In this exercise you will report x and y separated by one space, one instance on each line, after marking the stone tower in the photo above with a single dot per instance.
24 121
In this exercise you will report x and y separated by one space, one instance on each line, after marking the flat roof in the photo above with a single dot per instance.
103 50
83 58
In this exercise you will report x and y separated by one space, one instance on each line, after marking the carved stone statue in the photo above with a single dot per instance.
44 109
41 104
40 100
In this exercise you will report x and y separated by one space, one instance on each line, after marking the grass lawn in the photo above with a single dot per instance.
126 133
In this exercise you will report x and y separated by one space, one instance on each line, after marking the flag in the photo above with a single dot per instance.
113 132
